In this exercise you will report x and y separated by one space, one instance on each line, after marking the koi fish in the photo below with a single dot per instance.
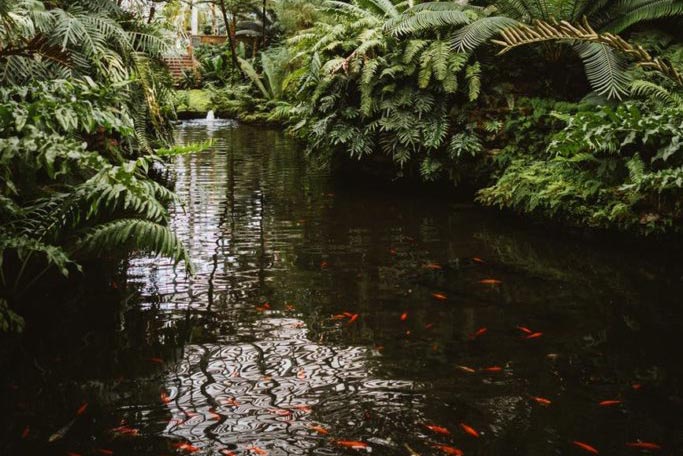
429 325
492 369
438 429
165 398
186 447
490 282
469 370
226 452
449 450
303 408
289 307
541 400
62 432
404 316
439 296
156 360
324 265
71 453
585 447
25 432
257 450
608 403
81 410
479 332
636 386
524 329
535 335
469 430
301 374
338 317
125 430
644 445
353 444
353 318
231 401
432 266
478 260
105 451
215 416
320 430
393 251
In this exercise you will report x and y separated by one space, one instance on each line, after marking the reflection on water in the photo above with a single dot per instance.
325 311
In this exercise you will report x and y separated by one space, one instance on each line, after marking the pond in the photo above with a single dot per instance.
327 317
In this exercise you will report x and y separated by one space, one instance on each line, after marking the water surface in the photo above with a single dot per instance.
322 311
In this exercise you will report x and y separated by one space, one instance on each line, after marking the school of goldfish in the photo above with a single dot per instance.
466 430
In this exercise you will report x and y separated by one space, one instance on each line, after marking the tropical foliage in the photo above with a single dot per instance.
79 176
423 88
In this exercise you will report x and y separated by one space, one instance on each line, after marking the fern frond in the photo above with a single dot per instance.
477 33
146 236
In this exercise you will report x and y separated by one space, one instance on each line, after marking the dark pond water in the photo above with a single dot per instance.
324 312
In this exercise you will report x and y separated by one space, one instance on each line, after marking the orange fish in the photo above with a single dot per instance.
353 444
429 325
320 430
490 282
105 451
479 332
432 266
156 360
353 318
585 447
226 452
438 429
541 400
644 445
214 415
71 453
165 398
608 403
469 370
404 316
524 329
393 251
478 260
535 335
303 408
289 307
492 369
25 432
439 296
257 450
324 264
125 430
186 447
231 401
81 410
338 317
636 386
469 430
449 450
301 374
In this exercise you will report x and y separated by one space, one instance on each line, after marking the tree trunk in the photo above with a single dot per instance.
231 42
